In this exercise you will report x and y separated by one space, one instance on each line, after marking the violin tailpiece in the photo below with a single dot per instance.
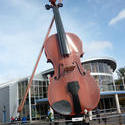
73 88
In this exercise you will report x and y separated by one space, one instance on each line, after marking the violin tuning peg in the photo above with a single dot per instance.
60 5
47 6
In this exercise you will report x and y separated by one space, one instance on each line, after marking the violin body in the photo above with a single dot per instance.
69 70
71 91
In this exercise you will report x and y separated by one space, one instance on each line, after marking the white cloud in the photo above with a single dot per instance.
119 17
21 41
24 4
18 54
19 48
97 48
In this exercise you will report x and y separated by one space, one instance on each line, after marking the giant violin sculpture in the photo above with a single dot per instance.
71 90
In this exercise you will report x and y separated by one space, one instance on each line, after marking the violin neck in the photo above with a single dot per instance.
63 45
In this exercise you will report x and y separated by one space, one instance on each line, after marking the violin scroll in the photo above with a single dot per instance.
54 1
48 7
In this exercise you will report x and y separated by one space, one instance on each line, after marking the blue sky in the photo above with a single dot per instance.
23 24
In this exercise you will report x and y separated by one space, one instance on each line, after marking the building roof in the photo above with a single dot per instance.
110 61
36 77
2 85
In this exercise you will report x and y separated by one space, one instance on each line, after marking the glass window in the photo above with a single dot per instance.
87 66
104 66
106 83
101 68
107 68
36 91
96 78
32 90
40 91
94 67
40 83
107 104
122 101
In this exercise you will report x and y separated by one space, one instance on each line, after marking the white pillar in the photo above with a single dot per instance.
116 99
117 103
30 110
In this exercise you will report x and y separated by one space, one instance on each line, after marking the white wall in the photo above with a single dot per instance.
13 93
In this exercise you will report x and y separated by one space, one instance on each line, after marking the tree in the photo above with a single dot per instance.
121 72
121 76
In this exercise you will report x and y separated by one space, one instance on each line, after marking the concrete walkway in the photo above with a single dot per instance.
108 120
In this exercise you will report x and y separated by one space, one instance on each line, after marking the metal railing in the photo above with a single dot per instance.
107 87
117 119
105 111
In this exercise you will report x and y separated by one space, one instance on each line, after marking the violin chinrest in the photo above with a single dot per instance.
62 106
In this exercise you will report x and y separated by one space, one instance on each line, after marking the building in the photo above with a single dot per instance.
36 106
112 95
12 93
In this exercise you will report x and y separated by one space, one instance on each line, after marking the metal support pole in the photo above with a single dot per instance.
117 103
30 110
116 99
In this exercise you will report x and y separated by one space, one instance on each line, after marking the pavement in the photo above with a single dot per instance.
112 120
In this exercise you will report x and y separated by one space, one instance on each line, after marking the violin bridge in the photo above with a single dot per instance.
69 68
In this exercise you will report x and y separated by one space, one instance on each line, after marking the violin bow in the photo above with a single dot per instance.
34 69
